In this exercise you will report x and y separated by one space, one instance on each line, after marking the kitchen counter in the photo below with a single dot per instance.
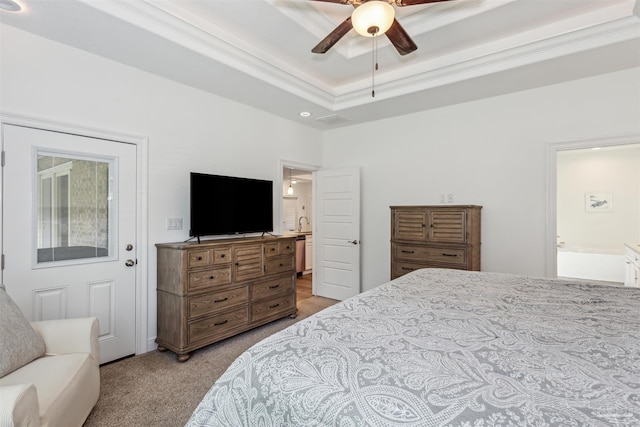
298 233
634 247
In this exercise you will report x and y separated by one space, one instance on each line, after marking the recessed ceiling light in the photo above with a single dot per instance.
10 5
302 114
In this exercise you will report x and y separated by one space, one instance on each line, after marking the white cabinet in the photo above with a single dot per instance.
632 265
308 253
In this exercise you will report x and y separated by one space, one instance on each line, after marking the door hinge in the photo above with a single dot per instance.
2 262
2 160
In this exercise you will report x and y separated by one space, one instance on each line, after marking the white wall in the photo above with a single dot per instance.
490 152
188 130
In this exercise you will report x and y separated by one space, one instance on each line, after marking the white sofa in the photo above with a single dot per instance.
58 388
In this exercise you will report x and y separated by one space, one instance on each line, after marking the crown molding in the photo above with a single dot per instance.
210 40
443 72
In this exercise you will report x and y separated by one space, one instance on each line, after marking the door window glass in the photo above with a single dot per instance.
73 207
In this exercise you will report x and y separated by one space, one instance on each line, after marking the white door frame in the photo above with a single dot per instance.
141 268
552 190
282 164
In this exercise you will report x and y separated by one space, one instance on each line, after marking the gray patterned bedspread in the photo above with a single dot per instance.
445 348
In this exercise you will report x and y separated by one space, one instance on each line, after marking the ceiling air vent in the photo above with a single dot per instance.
333 120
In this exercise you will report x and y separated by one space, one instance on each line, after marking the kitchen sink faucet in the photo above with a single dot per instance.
300 223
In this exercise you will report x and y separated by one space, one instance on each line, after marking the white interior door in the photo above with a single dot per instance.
337 233
69 229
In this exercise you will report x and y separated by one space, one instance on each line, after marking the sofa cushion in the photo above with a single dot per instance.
68 386
19 405
19 342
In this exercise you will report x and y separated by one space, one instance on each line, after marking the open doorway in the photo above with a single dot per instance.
594 207
297 220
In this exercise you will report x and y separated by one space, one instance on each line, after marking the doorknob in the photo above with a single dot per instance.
354 242
129 263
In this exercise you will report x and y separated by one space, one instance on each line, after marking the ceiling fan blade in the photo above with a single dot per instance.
414 2
333 37
400 39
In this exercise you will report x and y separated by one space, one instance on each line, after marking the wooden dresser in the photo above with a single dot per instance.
434 236
215 289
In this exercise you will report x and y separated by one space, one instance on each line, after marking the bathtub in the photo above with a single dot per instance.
589 265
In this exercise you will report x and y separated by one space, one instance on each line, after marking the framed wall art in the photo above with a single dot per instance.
598 202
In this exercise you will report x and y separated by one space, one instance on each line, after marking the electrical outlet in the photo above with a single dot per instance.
442 198
174 223
449 197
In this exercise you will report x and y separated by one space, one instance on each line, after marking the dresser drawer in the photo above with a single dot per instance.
435 254
279 248
210 303
210 327
272 308
403 267
208 278
280 265
272 288
207 257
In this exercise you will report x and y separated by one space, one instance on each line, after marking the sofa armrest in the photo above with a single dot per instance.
19 406
70 336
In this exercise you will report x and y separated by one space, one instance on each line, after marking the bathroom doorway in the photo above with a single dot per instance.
595 203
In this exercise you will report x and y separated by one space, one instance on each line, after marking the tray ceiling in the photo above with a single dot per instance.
258 52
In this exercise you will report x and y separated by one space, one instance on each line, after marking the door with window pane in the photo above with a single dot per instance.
69 230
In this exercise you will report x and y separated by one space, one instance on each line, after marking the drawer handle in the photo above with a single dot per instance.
222 256
220 323
212 277
281 264
408 252
199 258
273 249
449 254
274 286
407 268
274 306
288 247
221 300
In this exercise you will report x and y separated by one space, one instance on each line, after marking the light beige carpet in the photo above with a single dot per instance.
154 389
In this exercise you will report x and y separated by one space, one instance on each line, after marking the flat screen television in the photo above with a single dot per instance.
230 205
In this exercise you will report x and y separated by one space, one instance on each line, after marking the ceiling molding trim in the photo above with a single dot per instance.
450 13
359 93
272 71
472 63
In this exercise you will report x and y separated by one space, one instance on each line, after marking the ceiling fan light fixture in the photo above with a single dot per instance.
10 5
373 18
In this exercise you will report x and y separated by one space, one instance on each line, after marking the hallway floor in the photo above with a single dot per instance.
303 287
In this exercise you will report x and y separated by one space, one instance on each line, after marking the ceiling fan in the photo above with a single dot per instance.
373 18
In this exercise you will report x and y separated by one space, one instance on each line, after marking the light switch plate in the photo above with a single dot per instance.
174 223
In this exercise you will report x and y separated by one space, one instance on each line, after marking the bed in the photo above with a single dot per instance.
441 347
